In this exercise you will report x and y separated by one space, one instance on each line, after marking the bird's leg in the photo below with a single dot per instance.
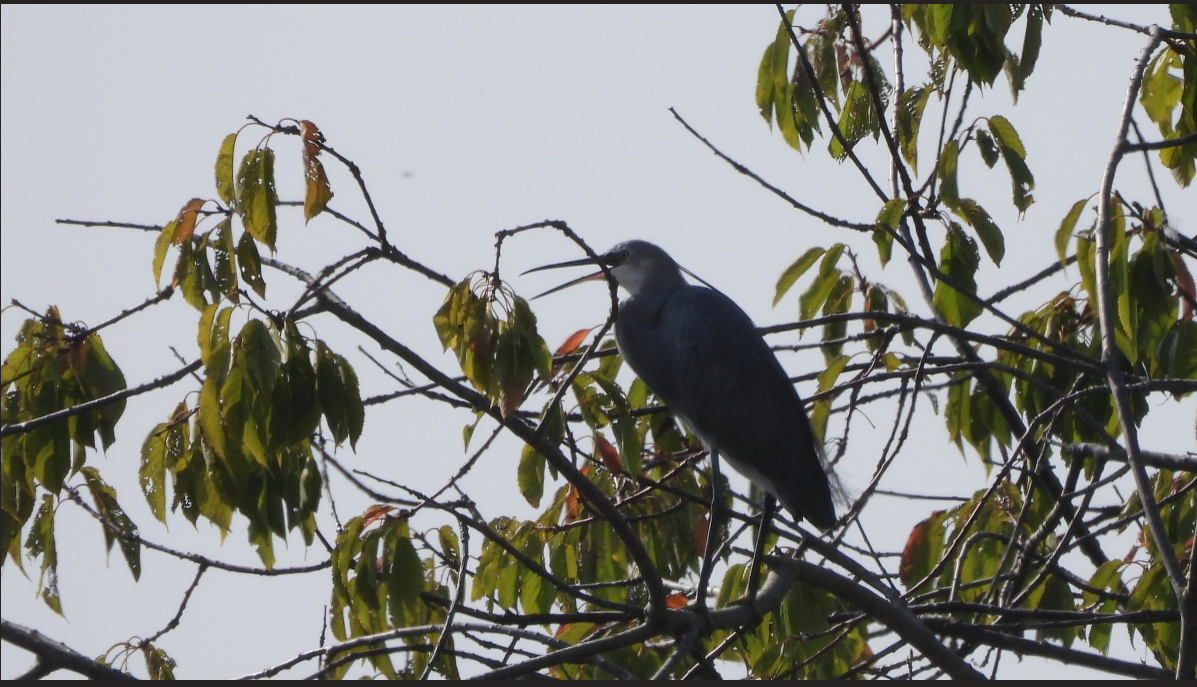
708 554
758 552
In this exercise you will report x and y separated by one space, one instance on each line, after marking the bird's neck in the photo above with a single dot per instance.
647 286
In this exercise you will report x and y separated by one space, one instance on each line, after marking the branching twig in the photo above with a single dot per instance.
52 655
164 381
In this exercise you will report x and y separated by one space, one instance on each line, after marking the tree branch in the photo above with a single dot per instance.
164 381
52 655
1156 460
1106 314
895 617
1030 647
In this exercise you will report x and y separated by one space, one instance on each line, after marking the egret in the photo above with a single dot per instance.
703 356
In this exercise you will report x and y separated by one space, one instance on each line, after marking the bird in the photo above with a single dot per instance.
701 354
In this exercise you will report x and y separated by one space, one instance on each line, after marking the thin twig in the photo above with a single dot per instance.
164 381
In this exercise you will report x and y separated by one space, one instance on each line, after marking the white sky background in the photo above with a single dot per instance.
464 121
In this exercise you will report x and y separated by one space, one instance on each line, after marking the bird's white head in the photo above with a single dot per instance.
637 264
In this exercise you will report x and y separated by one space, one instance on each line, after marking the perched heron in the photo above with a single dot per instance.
702 355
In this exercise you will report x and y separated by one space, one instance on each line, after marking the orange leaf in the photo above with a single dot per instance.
373 513
609 455
571 344
186 220
676 600
312 138
916 544
317 190
571 504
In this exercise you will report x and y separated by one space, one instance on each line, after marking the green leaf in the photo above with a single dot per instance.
256 197
1184 17
209 416
959 260
988 149
828 377
816 294
857 120
161 245
891 215
158 664
331 392
795 271
1177 351
839 301
250 264
1067 226
949 191
405 577
764 84
884 240
295 409
152 473
1153 592
1018 70
989 233
911 104
98 376
110 510
355 412
1127 323
1161 92
224 169
1107 577
1014 154
189 275
225 256
531 476
41 543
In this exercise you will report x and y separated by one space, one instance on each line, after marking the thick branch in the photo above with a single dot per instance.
1106 314
56 655
1167 461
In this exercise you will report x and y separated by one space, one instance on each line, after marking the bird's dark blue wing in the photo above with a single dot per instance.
701 354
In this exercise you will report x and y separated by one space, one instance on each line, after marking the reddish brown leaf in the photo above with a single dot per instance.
186 220
916 550
373 513
317 190
571 504
609 455
1130 555
676 600
571 344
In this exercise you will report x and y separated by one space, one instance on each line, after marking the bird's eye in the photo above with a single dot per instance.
623 255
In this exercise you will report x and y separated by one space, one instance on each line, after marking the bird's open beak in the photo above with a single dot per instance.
572 263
